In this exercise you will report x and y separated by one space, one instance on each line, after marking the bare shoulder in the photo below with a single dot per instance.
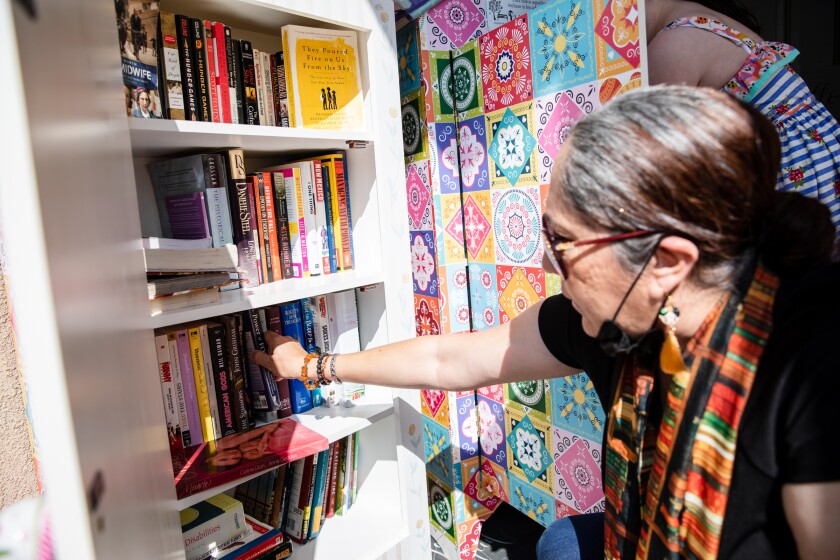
672 56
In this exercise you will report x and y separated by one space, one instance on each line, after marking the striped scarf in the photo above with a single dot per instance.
669 465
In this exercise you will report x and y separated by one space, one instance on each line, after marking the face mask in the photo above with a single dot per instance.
615 341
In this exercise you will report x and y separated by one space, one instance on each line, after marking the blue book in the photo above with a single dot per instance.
292 321
310 346
330 235
318 494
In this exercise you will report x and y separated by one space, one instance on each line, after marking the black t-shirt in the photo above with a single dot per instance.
788 433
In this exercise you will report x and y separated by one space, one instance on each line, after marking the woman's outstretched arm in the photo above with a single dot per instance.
510 352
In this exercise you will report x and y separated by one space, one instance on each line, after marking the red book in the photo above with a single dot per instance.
254 187
212 71
274 322
344 213
270 220
208 465
223 80
335 453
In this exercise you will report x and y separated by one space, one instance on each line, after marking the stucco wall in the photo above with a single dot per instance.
17 472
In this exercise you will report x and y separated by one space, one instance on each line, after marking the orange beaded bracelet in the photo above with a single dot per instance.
304 372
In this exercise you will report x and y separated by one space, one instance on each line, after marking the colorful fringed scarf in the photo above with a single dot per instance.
669 465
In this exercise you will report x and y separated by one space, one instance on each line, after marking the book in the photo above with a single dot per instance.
212 71
211 464
260 90
207 524
235 354
214 259
321 231
354 474
208 356
272 247
236 64
340 197
171 243
230 70
281 215
275 323
267 88
323 78
257 495
249 82
335 453
262 232
171 302
243 219
167 285
137 32
222 83
188 381
290 315
308 319
167 389
348 474
202 76
294 211
181 404
317 494
171 88
344 326
191 175
222 378
208 431
260 539
185 58
338 492
333 394
332 218
299 506
264 391
282 96
278 503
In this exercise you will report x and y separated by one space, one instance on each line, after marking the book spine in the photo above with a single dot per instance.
224 521
354 473
167 388
277 501
212 390
242 217
308 319
181 404
301 218
282 224
231 76
335 452
325 175
187 68
313 241
212 71
336 216
222 87
294 224
294 518
256 330
338 507
233 347
171 86
290 82
321 216
216 198
239 85
326 487
249 83
318 494
346 173
286 496
306 498
197 358
275 324
282 108
290 314
258 74
199 55
271 227
222 379
254 182
188 381
344 215
348 475
268 88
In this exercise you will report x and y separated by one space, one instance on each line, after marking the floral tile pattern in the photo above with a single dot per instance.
442 508
531 501
575 406
418 196
467 427
426 316
472 146
435 404
484 296
493 392
519 288
529 396
512 148
506 65
477 226
529 440
415 141
456 303
408 59
437 445
466 75
516 226
483 485
616 85
456 20
469 533
619 27
453 229
423 267
444 153
491 418
577 472
440 65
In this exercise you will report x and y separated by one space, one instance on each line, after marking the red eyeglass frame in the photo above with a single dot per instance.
554 249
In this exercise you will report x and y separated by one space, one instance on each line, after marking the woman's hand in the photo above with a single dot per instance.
284 358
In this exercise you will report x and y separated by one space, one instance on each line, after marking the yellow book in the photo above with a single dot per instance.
323 78
207 430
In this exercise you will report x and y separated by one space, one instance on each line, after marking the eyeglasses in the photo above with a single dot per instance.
555 245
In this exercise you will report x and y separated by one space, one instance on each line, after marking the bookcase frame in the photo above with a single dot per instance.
73 206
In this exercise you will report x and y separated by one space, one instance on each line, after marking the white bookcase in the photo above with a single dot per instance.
74 201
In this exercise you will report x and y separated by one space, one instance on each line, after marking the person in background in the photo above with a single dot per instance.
702 304
716 44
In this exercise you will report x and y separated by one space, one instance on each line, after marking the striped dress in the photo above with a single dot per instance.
810 136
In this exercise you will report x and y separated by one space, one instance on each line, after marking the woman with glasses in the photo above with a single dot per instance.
703 306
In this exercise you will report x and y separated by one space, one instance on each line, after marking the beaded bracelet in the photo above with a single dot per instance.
304 372
320 368
333 374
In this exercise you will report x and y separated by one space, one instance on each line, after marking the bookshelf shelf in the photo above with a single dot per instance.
163 137
268 294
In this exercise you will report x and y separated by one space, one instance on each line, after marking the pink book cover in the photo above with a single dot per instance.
232 457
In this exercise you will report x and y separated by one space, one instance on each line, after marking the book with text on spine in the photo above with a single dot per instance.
208 524
323 78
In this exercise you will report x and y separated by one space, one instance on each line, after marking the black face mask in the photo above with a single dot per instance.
616 342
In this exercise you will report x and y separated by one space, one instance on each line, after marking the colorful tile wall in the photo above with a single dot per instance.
491 90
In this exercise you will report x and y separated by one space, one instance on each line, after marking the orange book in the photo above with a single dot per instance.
254 184
273 244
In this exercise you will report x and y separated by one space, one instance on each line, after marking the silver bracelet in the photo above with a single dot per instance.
332 369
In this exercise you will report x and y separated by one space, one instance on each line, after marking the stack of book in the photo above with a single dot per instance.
196 70
291 220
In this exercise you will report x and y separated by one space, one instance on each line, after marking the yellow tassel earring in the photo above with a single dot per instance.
670 357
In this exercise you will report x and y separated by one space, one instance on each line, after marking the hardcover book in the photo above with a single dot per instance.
137 28
208 465
260 539
243 217
323 78
188 70
171 87
209 523
202 76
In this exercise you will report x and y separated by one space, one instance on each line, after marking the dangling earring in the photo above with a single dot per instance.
670 357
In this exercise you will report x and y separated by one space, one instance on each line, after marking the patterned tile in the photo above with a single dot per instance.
444 153
534 503
484 485
607 60
442 508
484 296
529 396
618 26
616 85
466 76
472 146
529 442
456 301
469 533
408 59
493 392
564 510
577 472
426 82
466 427
477 226
418 195
415 141
555 114
457 21
516 226
473 508
426 316
519 288
575 406
435 404
512 146
423 264
500 12
563 45
440 64
453 228
506 65
491 419
437 445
